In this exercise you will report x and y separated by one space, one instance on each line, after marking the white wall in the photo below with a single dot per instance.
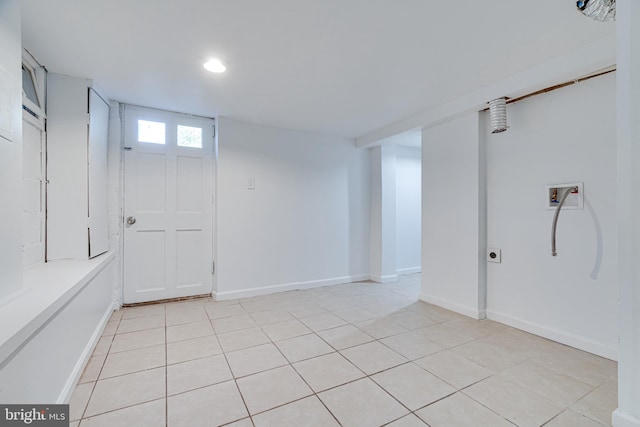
114 195
382 250
408 208
10 148
452 216
48 364
628 133
306 223
567 135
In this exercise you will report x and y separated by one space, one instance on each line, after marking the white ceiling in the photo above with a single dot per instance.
342 67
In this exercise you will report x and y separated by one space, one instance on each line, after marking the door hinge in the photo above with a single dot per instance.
213 267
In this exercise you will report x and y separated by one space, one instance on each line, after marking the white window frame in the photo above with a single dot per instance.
35 115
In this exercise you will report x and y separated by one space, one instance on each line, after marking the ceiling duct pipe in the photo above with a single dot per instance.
498 114
598 10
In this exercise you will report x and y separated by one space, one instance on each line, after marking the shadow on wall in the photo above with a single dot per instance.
599 241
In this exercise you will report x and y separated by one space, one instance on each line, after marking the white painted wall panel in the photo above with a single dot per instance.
46 368
97 156
67 198
10 148
567 135
408 208
452 233
305 223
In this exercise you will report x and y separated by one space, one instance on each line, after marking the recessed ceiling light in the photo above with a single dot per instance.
215 66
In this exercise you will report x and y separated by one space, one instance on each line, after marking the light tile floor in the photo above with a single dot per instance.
360 354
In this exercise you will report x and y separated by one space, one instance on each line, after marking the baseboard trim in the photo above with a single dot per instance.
620 418
450 305
384 279
69 387
410 270
265 290
563 337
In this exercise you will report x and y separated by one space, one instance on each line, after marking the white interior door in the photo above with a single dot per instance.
168 233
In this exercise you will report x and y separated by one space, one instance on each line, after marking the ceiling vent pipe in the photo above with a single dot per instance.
599 10
498 114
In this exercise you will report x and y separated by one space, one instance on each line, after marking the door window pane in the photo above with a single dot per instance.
189 137
151 132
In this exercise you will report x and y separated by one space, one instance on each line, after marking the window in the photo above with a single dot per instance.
189 137
151 132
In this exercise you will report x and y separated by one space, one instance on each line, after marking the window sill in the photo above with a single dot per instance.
46 289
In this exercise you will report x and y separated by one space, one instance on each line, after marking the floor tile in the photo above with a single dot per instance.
271 316
380 328
373 357
460 411
453 369
233 323
142 311
209 406
186 315
557 387
344 337
126 390
182 351
582 366
475 328
150 414
93 368
305 310
411 320
571 419
246 422
110 328
443 336
323 321
103 345
335 304
197 373
308 412
242 339
362 403
356 314
410 345
330 370
412 386
514 402
487 355
140 324
284 330
188 331
79 400
255 359
600 403
225 311
269 389
408 421
140 339
522 343
535 378
303 347
127 362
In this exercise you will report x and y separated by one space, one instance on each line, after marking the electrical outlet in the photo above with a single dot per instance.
494 255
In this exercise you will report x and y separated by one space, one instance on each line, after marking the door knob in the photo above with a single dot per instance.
131 220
